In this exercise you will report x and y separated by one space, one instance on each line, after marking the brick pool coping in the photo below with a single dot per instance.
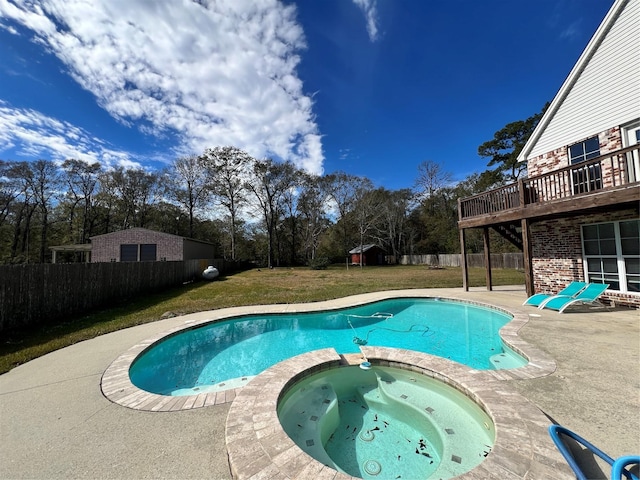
258 446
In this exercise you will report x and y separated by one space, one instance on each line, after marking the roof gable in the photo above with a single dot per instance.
601 91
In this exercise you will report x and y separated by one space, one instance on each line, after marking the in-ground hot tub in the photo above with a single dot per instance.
386 423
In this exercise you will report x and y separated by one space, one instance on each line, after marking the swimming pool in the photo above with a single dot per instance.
227 354
386 423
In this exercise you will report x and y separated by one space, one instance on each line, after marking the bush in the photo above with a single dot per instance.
320 263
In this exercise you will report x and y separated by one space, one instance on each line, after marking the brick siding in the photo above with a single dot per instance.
610 140
106 248
557 253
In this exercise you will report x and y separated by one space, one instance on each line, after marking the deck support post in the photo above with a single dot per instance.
463 261
487 257
526 253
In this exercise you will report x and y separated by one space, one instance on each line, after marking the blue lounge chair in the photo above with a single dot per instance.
570 290
618 466
588 296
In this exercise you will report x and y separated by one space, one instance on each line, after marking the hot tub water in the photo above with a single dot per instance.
386 423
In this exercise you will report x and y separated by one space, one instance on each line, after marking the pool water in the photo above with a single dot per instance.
227 354
386 423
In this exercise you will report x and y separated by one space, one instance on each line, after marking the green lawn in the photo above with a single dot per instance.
253 287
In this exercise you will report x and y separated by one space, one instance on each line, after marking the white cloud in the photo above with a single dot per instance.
37 135
572 31
222 73
370 10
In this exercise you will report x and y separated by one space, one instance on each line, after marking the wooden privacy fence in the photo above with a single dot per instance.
498 260
42 294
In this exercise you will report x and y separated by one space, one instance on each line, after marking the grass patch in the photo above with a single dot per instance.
253 287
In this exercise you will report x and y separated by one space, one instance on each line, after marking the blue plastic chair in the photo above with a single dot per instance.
570 290
588 296
617 466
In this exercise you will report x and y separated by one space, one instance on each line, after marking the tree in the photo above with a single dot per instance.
9 190
343 189
367 211
44 182
228 169
188 185
312 205
431 178
289 207
168 217
131 192
106 202
395 213
82 182
20 209
269 183
478 183
506 145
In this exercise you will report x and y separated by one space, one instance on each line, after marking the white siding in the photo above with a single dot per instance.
606 93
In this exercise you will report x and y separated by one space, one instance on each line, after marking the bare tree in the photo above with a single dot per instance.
44 182
431 178
189 185
82 182
312 206
368 205
268 184
343 189
395 215
228 170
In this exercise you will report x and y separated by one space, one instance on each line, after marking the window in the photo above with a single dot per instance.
583 151
148 252
612 254
588 177
129 252
132 252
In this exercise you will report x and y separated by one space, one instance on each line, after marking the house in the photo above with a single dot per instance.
576 216
142 245
371 255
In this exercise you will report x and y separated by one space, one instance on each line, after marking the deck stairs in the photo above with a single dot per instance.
510 232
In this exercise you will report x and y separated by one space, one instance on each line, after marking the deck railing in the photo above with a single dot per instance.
612 170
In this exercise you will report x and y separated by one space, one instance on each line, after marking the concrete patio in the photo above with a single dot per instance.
56 423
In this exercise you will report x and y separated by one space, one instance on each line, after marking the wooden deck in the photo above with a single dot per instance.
610 179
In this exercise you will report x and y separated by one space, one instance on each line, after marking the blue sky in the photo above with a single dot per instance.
370 87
